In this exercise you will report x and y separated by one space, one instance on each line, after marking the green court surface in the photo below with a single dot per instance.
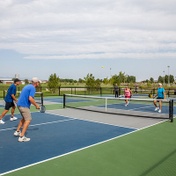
147 152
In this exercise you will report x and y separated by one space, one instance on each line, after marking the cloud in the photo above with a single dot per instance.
76 29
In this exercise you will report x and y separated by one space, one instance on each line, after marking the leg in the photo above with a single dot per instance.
24 123
6 109
154 102
160 105
20 125
25 127
3 113
13 111
126 102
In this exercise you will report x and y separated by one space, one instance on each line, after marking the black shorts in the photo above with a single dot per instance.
8 105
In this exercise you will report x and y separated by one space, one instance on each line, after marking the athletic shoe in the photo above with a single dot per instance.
17 133
159 111
127 104
2 122
23 139
13 118
156 109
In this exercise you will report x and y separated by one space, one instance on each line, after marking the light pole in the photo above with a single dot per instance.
164 77
110 73
168 76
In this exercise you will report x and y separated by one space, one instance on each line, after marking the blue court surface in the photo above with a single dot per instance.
51 136
139 107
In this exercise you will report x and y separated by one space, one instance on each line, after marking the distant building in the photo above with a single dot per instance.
6 80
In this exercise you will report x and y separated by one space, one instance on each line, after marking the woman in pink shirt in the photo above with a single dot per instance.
127 93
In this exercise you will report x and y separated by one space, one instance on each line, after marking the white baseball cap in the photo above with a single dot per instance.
35 80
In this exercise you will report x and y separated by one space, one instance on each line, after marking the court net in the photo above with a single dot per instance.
136 107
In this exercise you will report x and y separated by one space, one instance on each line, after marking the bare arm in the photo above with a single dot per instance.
164 95
31 99
14 98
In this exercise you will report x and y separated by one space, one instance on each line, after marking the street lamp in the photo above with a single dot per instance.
168 76
110 73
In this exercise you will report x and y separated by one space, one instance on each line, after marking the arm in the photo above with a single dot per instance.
131 94
155 96
14 98
164 94
31 99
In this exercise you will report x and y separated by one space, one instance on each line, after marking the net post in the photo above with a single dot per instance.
119 90
169 92
63 100
42 98
100 91
106 104
59 88
171 104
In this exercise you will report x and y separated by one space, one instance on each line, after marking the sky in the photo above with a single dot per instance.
73 38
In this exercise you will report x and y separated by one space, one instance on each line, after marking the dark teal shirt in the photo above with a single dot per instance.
11 90
161 92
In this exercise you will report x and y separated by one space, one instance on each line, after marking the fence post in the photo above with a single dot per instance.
171 104
100 91
59 90
42 98
64 101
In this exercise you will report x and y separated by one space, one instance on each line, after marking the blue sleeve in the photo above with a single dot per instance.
32 92
13 90
163 90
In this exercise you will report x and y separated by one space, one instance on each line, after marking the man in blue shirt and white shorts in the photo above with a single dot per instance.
160 96
24 102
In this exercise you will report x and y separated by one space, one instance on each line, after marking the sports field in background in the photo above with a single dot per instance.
76 143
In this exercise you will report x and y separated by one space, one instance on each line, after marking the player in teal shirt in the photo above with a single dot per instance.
160 96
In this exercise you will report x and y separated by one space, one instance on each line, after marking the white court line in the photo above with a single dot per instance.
46 123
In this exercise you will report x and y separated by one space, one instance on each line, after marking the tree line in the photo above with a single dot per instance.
91 82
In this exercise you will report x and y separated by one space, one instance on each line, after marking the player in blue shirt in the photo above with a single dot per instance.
160 96
9 101
24 102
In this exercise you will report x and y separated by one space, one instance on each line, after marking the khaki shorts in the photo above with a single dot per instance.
25 113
